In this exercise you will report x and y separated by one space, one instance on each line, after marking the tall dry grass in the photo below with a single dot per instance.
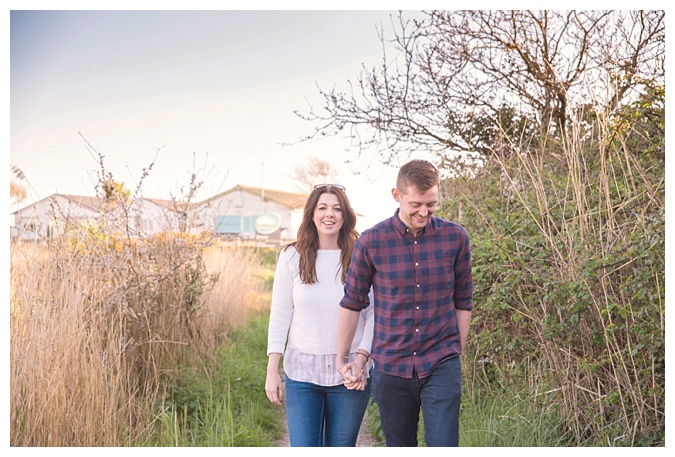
97 322
569 253
601 214
66 356
237 295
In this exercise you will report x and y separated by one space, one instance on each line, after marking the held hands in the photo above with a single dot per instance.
354 377
354 373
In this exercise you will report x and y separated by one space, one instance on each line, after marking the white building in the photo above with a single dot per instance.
53 215
241 212
251 213
153 216
50 216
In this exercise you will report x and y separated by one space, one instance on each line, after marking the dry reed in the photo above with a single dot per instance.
598 206
93 330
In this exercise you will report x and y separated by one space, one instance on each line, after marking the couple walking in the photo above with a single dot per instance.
385 313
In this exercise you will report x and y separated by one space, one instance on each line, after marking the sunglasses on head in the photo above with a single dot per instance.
337 186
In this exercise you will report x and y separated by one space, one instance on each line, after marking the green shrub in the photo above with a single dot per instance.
568 246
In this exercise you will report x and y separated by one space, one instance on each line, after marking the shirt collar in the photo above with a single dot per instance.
401 228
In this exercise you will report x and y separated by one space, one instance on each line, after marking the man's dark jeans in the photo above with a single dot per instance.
400 399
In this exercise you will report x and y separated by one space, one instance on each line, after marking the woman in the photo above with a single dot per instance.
308 285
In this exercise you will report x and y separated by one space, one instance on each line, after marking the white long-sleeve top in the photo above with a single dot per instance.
304 317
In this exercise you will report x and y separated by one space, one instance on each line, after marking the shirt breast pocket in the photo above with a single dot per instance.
439 270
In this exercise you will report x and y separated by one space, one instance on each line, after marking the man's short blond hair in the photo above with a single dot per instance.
421 174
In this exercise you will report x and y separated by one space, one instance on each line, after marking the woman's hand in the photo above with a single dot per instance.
273 388
354 373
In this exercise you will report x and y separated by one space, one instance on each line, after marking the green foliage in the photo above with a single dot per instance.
568 250
268 256
497 417
510 420
373 421
245 361
268 262
225 404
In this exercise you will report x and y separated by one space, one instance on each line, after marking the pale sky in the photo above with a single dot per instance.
218 86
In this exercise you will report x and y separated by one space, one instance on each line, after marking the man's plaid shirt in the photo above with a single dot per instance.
418 284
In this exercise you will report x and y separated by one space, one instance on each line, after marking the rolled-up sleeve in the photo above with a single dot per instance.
359 279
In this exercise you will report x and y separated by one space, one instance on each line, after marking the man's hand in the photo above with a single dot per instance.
354 373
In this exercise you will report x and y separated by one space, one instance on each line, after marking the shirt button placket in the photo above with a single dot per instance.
417 276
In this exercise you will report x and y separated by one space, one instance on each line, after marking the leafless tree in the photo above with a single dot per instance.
460 80
314 171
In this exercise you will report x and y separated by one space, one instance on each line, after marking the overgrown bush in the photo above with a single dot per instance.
568 246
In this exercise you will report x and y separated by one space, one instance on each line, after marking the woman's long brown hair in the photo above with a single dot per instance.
307 244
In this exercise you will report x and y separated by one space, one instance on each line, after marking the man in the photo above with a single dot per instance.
419 267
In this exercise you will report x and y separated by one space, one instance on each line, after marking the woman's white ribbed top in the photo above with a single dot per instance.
303 318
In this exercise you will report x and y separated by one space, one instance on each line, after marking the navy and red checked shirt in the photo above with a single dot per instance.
418 284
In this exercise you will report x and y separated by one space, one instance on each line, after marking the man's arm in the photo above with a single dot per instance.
463 321
463 289
347 324
355 299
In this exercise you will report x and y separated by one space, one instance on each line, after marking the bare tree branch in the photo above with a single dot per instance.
455 77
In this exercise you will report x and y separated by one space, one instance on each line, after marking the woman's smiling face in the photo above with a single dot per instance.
328 216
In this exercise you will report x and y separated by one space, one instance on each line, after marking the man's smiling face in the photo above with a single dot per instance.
416 208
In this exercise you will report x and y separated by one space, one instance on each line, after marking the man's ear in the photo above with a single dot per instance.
396 194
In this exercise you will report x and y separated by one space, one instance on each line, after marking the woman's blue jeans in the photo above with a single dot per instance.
324 416
399 401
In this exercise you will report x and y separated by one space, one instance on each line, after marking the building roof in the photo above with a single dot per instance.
173 205
94 203
289 199
90 202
